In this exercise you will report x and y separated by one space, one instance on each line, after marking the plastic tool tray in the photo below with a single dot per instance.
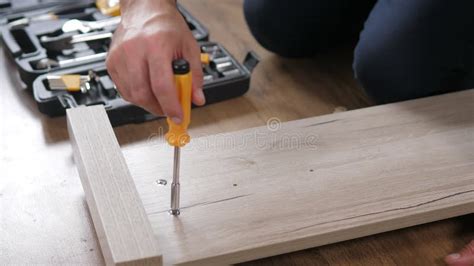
40 46
224 78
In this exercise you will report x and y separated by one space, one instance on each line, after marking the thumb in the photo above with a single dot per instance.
464 258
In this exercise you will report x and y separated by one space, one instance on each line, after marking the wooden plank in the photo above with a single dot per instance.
261 192
258 193
122 227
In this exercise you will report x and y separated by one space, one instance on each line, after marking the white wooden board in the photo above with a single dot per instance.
260 192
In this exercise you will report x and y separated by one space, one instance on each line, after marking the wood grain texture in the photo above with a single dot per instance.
122 227
257 193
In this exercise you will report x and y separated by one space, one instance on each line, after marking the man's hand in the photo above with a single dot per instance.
151 34
464 258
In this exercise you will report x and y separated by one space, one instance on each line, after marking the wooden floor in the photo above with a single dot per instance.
44 218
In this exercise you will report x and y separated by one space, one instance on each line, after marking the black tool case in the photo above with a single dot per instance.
231 81
23 43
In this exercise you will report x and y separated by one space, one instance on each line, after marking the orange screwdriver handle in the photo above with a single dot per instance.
177 135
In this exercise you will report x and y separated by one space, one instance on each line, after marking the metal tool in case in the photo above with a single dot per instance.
47 63
71 83
88 26
64 42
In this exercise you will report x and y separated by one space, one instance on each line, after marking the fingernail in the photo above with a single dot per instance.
200 97
454 256
176 120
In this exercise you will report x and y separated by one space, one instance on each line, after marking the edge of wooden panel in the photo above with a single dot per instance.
123 229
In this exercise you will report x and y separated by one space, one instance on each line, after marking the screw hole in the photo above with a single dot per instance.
161 182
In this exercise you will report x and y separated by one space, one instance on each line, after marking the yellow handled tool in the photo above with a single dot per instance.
177 135
71 83
109 7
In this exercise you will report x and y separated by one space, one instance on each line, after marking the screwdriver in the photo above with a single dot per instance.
177 135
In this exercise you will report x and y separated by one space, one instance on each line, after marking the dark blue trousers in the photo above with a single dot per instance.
404 49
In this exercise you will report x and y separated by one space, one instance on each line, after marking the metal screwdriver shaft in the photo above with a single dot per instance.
175 185
177 135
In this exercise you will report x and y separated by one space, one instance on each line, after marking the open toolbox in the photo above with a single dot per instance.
79 34
224 78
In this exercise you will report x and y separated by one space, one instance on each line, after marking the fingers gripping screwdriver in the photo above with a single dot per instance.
177 135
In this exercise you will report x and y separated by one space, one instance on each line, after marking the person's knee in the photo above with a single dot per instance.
263 20
294 30
399 57
393 73
367 67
